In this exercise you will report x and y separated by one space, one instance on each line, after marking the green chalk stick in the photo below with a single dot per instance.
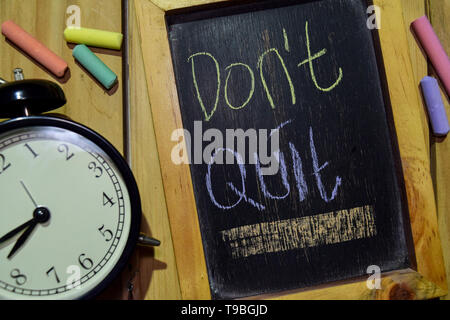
94 65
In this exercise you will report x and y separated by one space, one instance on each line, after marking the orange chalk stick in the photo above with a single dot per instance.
34 48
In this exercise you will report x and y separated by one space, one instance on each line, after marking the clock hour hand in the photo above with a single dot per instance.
12 233
40 216
23 238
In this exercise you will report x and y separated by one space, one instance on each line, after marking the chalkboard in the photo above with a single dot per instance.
308 74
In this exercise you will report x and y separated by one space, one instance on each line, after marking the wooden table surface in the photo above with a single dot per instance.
152 272
438 12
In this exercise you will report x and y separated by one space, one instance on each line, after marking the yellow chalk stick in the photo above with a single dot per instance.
94 37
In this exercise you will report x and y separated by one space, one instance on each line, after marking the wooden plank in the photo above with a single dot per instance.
177 185
87 102
396 286
413 149
157 273
406 105
413 9
439 14
167 5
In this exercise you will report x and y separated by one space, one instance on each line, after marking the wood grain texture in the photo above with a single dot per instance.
167 5
439 15
413 149
177 181
413 9
407 285
157 276
87 101
428 282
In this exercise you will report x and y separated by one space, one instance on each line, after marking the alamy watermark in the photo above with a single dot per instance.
374 20
374 280
74 19
189 149
74 279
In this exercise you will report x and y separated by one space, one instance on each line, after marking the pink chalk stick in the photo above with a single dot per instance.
34 48
433 48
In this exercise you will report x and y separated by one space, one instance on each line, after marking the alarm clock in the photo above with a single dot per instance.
70 208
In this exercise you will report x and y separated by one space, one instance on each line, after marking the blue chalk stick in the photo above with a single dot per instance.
435 106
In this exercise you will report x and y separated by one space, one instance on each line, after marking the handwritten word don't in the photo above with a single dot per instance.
208 112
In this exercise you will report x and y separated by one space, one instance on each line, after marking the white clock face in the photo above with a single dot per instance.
72 207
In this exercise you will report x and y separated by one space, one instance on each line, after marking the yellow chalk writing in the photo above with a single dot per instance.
314 57
252 89
199 98
311 67
286 41
263 80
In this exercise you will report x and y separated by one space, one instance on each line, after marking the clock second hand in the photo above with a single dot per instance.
30 225
28 193
12 233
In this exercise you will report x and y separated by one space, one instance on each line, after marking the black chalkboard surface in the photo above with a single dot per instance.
309 73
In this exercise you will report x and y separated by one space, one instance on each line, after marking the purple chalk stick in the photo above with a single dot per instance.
435 106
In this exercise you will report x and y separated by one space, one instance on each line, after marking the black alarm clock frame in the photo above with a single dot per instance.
23 101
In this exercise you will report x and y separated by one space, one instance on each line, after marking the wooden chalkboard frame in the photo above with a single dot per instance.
428 281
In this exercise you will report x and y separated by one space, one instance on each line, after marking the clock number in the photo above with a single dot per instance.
107 200
31 150
65 148
107 234
86 263
98 170
3 165
54 271
21 279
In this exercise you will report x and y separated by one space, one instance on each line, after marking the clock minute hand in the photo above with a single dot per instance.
12 233
41 215
23 238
